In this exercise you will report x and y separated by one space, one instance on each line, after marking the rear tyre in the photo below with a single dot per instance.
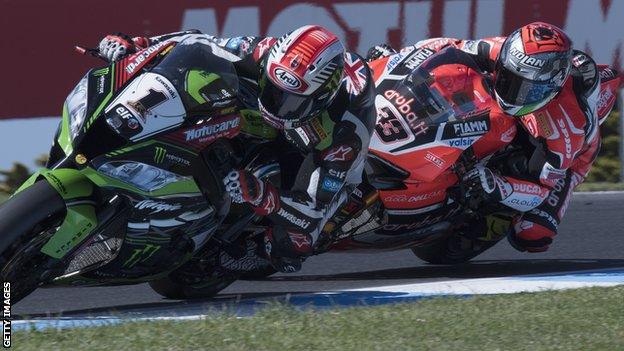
27 221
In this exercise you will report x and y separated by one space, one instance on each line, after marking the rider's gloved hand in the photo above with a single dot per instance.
114 47
378 51
483 183
243 186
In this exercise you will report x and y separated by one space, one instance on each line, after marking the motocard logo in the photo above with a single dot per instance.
157 207
471 128
210 131
526 59
418 58
142 56
286 79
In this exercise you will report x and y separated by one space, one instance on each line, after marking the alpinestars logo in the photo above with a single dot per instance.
302 223
342 153
157 207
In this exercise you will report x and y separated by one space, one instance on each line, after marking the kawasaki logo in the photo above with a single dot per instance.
293 219
211 129
157 206
288 79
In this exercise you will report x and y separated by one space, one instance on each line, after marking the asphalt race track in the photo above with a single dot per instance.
591 237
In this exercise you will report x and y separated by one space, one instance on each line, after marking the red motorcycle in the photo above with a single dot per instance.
436 121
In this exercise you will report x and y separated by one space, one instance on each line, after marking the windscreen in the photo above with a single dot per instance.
445 88
202 72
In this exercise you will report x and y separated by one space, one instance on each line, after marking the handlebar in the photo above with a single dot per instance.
89 51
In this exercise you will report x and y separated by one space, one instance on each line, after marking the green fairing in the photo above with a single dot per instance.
102 180
197 80
69 183
79 222
64 138
29 182
253 124
104 102
146 144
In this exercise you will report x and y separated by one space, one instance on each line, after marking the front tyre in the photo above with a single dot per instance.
192 281
27 221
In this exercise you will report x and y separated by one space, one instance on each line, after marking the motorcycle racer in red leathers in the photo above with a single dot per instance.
322 99
554 92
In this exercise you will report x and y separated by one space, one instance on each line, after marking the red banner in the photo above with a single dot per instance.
40 66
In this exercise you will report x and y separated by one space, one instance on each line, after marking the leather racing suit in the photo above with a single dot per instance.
564 137
333 145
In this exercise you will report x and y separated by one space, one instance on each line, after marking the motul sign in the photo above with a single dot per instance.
38 36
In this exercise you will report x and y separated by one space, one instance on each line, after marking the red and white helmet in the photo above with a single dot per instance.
300 76
532 67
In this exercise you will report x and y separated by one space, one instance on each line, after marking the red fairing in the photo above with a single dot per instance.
561 124
420 194
503 129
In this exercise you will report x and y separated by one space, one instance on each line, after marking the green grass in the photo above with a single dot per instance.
585 319
600 186
3 197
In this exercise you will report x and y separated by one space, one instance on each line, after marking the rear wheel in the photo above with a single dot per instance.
27 221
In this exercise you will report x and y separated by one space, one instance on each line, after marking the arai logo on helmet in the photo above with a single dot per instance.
288 79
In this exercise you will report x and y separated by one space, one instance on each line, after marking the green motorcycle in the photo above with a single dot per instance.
133 190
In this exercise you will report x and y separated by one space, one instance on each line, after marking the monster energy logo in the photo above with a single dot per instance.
159 154
141 255
100 72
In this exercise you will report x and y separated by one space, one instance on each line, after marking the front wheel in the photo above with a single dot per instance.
27 221
193 281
